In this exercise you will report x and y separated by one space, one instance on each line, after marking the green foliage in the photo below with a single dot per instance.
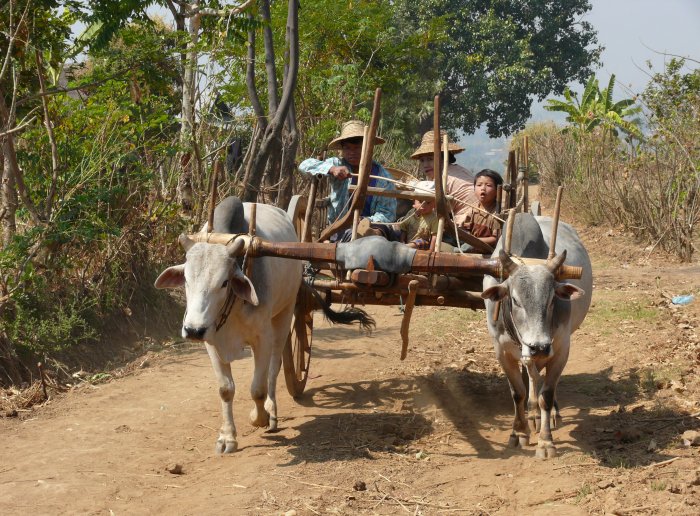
94 252
650 188
597 109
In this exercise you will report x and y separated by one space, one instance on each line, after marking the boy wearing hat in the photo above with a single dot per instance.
459 179
381 210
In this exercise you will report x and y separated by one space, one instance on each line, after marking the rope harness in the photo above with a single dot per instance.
230 294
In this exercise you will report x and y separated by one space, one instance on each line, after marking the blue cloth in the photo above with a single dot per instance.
376 208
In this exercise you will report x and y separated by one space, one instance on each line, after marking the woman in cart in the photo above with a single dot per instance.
378 211
459 179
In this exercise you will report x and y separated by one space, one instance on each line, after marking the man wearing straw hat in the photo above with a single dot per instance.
460 182
342 172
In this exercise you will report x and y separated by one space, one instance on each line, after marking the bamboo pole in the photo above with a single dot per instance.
406 320
212 194
310 205
555 224
526 181
363 179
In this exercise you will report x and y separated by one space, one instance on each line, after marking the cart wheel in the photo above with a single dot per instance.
296 211
297 352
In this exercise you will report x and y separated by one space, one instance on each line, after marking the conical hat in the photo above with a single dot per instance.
427 146
352 129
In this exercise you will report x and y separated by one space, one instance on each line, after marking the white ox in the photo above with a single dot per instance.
261 308
537 317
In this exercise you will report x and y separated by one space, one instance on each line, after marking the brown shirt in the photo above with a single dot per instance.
482 225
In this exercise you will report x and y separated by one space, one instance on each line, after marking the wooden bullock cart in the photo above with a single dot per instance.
434 279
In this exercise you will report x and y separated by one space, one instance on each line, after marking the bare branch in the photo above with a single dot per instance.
226 12
54 91
51 135
19 127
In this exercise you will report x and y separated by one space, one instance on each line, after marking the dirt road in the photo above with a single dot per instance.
376 435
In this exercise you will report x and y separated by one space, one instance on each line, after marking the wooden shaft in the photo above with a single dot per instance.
456 299
441 207
513 176
253 218
355 223
555 224
509 231
212 195
526 182
499 199
400 194
310 205
445 162
406 320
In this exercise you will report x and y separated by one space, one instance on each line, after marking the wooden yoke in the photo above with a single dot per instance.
358 198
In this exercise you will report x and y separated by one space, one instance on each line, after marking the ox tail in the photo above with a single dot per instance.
347 315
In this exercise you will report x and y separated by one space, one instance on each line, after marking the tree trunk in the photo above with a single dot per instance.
8 201
189 84
273 130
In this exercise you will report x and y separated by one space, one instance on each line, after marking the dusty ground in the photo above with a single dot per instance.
374 435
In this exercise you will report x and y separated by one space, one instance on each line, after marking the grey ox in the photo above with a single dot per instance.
538 314
227 310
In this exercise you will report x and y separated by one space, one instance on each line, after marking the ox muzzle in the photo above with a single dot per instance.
192 333
537 349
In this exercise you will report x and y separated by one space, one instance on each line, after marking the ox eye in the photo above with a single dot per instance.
224 284
515 302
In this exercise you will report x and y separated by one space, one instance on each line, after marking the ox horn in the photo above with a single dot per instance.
508 265
553 264
185 241
234 247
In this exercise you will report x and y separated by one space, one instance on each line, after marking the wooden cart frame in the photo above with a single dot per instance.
437 279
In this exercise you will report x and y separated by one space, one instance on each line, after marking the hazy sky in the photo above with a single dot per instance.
635 31
632 32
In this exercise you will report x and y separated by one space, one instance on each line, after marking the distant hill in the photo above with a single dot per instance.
483 152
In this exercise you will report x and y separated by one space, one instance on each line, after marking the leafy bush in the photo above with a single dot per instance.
648 187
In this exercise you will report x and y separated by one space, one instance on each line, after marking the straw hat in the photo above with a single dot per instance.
352 129
400 175
427 146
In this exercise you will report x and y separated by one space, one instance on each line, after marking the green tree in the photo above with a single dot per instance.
492 58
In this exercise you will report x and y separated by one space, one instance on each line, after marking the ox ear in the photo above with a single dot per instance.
508 265
495 293
568 292
243 287
172 277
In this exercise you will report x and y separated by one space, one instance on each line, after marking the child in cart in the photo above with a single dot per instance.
420 226
478 221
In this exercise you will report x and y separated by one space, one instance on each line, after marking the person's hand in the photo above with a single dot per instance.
339 172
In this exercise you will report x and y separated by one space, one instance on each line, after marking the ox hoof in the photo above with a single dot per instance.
546 451
259 418
518 441
273 424
224 446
